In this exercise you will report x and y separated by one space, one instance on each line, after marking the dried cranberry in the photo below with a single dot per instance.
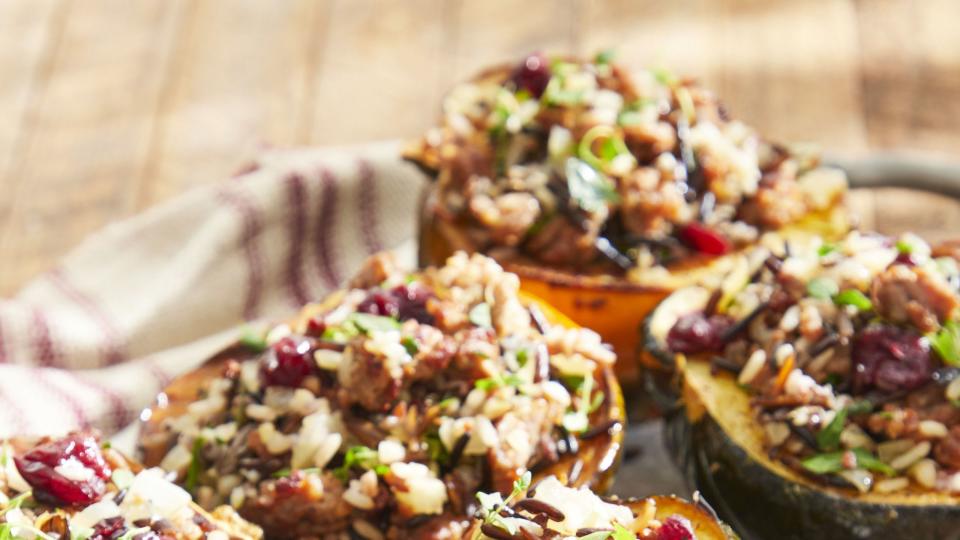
889 359
402 302
704 239
676 528
381 303
287 363
39 468
695 332
316 327
906 258
532 74
109 529
290 485
412 303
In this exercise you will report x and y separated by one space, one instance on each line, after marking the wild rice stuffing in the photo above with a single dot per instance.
74 488
851 351
577 165
383 414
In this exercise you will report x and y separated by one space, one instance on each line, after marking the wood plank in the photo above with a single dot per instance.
89 130
240 81
28 37
768 61
911 73
492 32
380 73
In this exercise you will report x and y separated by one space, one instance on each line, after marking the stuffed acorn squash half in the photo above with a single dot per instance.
551 510
75 487
605 192
380 412
820 389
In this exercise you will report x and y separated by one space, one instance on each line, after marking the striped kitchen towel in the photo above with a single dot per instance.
93 341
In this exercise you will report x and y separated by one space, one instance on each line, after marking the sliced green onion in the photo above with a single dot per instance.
828 438
822 287
855 298
196 465
611 146
946 342
254 340
826 249
367 322
410 345
480 315
591 190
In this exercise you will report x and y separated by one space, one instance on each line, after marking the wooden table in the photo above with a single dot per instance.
110 106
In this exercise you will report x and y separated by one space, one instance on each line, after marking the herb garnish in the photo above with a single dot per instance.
196 464
588 188
832 462
361 457
492 503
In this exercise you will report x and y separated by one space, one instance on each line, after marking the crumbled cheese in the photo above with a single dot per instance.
425 493
151 495
581 507
483 435
93 514
390 451
177 459
318 439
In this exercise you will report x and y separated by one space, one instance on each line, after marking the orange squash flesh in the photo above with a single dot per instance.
593 465
614 307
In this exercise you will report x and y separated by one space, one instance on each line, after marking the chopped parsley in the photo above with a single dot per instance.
361 457
499 381
832 462
285 472
196 465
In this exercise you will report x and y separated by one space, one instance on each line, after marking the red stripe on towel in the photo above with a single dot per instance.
367 207
297 224
121 414
252 225
3 347
326 223
75 407
46 353
113 342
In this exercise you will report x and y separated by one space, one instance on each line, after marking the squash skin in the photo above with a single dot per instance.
593 466
718 446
